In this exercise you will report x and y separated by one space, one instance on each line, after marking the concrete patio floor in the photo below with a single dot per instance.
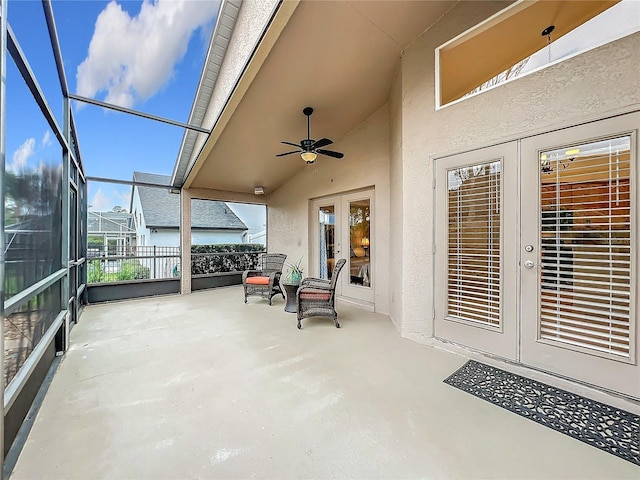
204 386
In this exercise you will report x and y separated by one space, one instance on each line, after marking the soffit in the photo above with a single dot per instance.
338 57
225 23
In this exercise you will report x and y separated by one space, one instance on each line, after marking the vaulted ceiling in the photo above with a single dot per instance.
339 58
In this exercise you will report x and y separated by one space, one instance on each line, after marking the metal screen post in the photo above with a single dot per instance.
3 85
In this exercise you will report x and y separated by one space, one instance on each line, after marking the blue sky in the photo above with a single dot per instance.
147 56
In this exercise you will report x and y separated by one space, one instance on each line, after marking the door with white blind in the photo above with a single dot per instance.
476 249
579 241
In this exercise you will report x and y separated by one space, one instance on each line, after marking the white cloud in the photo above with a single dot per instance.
132 58
105 200
20 156
46 138
100 202
123 198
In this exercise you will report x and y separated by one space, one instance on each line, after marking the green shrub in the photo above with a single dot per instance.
128 270
95 272
212 259
132 270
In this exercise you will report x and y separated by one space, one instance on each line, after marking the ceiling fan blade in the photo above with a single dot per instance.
292 144
329 153
287 153
323 142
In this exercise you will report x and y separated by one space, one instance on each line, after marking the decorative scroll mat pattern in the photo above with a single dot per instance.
605 427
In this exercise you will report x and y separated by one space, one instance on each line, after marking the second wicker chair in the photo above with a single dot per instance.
316 297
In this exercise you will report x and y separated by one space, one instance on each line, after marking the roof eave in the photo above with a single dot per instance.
225 23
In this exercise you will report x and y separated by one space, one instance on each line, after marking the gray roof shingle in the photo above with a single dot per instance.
161 209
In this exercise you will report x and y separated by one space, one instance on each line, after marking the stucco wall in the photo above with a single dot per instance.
366 164
251 22
582 88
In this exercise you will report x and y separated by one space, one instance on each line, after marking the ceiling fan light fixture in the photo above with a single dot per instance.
309 157
310 149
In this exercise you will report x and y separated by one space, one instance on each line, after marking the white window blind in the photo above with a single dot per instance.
473 262
585 298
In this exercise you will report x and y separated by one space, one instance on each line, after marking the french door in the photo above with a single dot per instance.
536 252
475 291
342 227
579 269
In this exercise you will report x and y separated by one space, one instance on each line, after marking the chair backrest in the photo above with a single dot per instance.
336 271
271 262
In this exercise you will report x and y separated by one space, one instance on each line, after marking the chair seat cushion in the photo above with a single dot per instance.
314 294
258 280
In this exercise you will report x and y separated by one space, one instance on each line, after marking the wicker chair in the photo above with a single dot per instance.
317 297
265 280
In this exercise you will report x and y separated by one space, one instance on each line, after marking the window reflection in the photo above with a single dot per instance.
24 328
327 222
360 242
33 189
33 232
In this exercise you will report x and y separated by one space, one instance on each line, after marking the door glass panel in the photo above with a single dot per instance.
473 263
586 246
327 223
360 242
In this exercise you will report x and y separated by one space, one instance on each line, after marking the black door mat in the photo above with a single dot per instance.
610 429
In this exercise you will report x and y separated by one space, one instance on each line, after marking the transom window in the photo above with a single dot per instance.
524 38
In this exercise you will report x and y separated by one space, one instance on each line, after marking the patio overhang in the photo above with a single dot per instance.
338 57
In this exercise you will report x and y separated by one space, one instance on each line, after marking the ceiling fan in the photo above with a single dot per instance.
309 149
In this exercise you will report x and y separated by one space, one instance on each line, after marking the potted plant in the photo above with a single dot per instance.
295 272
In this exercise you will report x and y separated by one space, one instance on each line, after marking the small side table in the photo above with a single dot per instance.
290 290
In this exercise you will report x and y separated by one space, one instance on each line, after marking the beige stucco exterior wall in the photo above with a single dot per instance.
582 88
393 150
366 164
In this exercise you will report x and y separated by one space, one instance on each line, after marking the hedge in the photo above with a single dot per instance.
240 257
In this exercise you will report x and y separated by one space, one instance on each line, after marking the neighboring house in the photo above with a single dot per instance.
503 222
109 233
156 216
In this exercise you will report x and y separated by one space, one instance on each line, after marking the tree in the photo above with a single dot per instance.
502 77
118 209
